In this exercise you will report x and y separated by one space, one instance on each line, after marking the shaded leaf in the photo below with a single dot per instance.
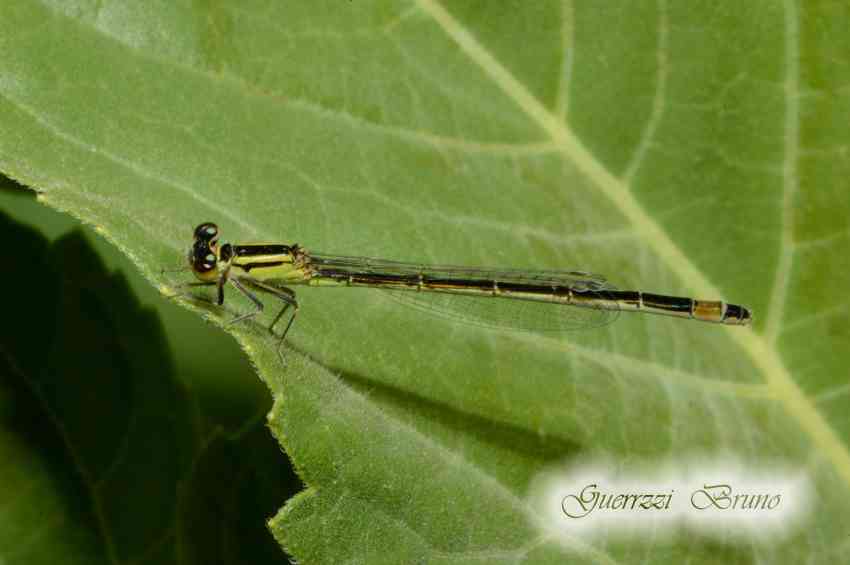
107 456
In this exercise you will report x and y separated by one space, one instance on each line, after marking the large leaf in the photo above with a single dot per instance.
691 148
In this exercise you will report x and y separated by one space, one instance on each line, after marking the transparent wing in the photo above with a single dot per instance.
508 313
487 310
576 280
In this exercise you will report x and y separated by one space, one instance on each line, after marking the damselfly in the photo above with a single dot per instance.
531 300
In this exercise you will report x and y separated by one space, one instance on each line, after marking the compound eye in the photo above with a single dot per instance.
207 231
203 259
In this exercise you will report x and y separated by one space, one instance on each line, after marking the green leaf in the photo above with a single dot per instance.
688 148
107 456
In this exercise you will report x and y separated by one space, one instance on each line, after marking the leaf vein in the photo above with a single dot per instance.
658 101
760 350
790 177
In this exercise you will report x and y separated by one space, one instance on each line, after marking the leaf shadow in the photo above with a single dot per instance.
11 186
100 434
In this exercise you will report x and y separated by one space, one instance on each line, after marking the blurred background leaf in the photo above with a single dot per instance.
109 454
693 148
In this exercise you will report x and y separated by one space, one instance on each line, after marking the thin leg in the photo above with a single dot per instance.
241 288
198 283
220 284
192 284
291 302
288 297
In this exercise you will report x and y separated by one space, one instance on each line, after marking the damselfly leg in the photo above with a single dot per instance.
286 295
189 285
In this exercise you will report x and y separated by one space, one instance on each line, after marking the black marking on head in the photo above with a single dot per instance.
202 258
207 231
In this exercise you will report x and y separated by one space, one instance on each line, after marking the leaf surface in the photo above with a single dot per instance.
689 148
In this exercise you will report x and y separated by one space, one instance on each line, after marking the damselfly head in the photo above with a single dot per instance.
203 255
